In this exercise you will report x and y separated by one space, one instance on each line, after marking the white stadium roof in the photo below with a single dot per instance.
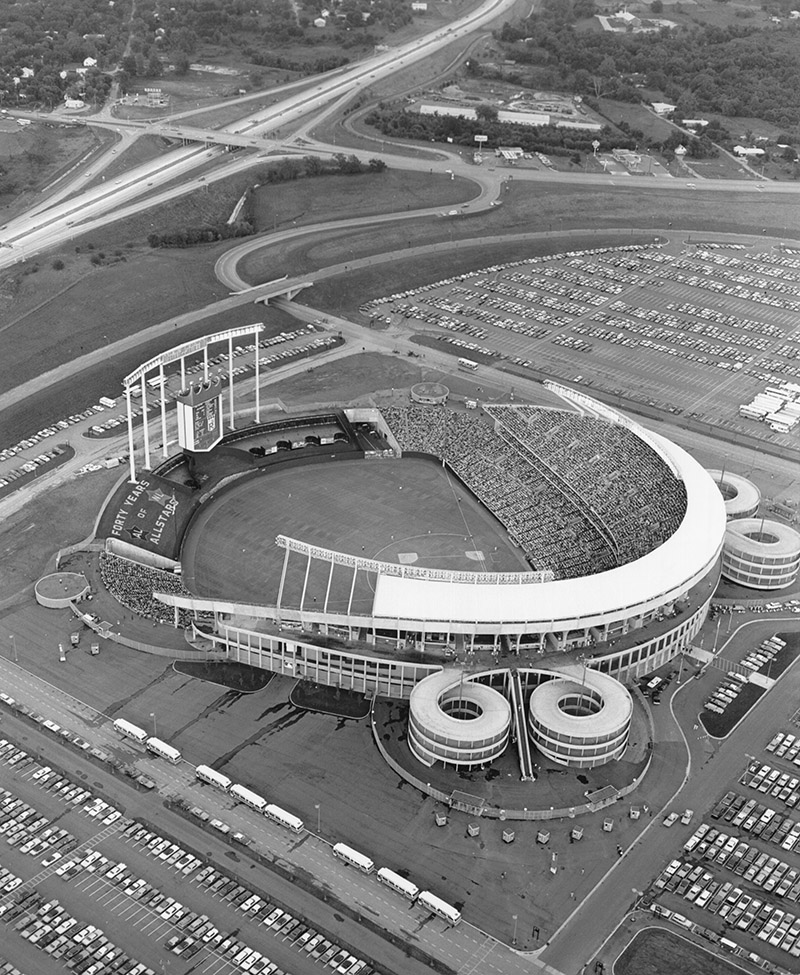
656 578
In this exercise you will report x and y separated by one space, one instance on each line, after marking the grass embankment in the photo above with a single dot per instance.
659 952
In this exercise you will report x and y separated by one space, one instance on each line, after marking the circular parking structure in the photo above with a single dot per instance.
740 495
761 554
459 723
580 718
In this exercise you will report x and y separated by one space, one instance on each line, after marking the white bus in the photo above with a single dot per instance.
283 818
128 730
354 858
439 907
398 883
212 777
467 365
163 750
252 799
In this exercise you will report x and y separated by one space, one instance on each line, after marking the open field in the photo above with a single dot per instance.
393 511
656 951
30 538
304 201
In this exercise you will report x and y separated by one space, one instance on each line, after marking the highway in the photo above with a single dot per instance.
100 205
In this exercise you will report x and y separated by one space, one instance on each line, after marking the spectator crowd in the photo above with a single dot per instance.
133 584
579 495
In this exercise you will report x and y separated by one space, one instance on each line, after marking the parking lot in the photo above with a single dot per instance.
697 328
736 881
57 861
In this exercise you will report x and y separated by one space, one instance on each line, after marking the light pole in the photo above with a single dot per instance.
319 816
514 936
155 726
13 640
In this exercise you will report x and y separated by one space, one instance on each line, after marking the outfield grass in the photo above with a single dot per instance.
393 511
656 951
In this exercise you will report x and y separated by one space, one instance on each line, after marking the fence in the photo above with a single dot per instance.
494 812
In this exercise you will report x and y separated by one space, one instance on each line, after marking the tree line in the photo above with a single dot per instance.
400 123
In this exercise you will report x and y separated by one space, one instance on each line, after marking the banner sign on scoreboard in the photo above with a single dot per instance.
200 415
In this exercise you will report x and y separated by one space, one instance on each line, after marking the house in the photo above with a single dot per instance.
90 62
663 108
748 151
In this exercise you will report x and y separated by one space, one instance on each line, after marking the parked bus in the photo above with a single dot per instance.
163 750
212 777
252 799
439 907
467 365
128 730
398 883
354 858
283 818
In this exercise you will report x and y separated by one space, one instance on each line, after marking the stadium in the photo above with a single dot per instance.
505 569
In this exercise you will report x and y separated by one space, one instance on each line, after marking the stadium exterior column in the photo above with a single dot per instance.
177 619
163 383
146 427
280 589
255 367
305 581
230 381
183 372
328 590
352 590
205 363
131 455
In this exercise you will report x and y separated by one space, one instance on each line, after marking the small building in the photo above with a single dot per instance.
663 108
748 151
90 62
419 6
74 102
320 22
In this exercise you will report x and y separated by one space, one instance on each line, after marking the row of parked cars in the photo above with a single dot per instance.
301 936
773 782
80 947
754 817
725 693
786 746
195 932
748 862
739 910
21 826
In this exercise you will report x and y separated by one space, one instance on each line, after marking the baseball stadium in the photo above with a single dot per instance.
504 569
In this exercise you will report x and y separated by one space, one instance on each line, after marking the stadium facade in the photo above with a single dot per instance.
620 529
430 632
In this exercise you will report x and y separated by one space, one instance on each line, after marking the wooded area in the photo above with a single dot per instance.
739 70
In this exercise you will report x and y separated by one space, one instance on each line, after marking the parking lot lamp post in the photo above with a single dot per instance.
514 936
319 817
13 640
155 726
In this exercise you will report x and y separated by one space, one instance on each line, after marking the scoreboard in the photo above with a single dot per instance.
200 416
